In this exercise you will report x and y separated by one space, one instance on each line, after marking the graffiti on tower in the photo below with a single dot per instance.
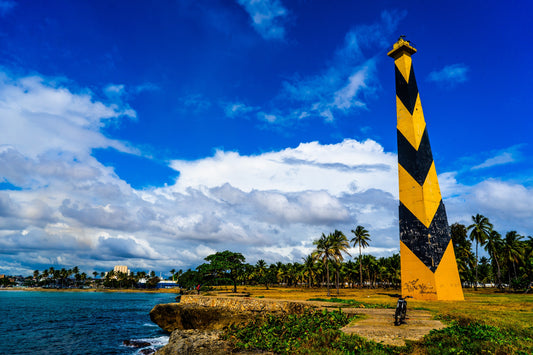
428 265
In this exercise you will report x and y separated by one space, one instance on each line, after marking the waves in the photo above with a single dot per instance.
78 322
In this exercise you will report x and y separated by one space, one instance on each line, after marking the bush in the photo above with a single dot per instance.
465 337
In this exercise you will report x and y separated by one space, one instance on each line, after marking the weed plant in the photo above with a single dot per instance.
318 332
314 332
469 336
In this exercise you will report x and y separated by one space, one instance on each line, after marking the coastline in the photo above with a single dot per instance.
41 289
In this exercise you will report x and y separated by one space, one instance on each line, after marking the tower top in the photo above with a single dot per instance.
400 48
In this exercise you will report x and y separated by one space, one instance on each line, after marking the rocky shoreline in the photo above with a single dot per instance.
196 322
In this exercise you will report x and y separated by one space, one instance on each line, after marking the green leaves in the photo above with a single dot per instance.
285 334
224 264
463 337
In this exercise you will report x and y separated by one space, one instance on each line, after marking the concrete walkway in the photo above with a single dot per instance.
378 325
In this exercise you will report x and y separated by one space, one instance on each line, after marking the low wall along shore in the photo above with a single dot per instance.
245 304
213 313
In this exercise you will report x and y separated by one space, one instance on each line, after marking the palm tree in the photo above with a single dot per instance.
83 277
463 252
309 267
493 246
512 250
324 252
371 265
362 237
173 272
480 231
76 272
261 270
178 274
339 245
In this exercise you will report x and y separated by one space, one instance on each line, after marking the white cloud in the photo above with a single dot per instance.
450 75
337 168
268 17
503 158
72 210
38 116
507 205
507 156
238 109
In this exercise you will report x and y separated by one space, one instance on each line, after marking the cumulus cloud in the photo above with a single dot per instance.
506 204
39 115
268 17
450 75
336 168
71 210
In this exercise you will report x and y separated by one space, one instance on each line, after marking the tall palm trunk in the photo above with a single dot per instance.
475 285
337 280
327 278
499 274
360 267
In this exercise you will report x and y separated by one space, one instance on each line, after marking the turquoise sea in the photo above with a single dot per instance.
78 322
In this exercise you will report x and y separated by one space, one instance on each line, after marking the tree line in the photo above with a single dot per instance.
509 265
73 278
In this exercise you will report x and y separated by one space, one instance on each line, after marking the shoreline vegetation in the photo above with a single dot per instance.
487 321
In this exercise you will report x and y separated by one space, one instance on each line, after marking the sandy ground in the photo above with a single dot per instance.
378 325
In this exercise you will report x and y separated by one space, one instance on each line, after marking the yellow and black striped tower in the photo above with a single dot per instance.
429 269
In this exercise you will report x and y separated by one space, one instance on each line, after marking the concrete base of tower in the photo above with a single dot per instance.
419 282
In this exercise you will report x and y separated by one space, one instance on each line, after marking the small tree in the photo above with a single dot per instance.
226 264
480 231
324 252
362 237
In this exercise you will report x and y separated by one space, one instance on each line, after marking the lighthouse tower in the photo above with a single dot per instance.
429 270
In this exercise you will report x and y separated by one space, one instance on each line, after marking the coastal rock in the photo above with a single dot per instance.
136 343
173 316
214 313
195 342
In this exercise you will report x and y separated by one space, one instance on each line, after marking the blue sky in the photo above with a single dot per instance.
153 134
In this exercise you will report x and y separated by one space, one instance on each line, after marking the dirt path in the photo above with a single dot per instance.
378 325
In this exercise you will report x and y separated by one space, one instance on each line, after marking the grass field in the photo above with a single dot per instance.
487 321
487 304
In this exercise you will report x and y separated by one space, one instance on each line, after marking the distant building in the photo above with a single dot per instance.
167 284
122 268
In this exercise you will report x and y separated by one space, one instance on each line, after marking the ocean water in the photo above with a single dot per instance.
78 322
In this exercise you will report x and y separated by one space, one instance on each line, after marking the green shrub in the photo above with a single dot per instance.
316 332
472 337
